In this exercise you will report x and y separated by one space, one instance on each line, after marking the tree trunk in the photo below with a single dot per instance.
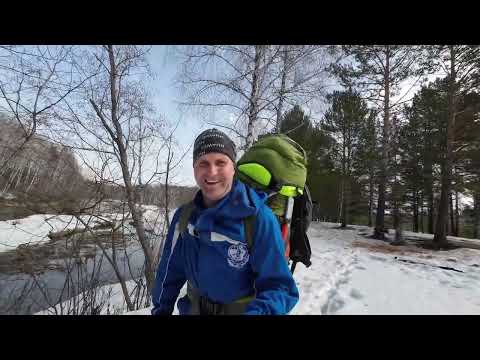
136 214
428 179
452 215
476 214
370 199
421 213
457 216
415 211
397 224
380 219
431 208
282 89
440 237
447 224
344 182
158 249
344 203
253 108
141 190
340 203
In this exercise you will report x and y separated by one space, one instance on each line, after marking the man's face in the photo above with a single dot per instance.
214 175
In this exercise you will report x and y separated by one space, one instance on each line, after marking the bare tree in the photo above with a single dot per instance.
229 80
40 167
111 126
303 76
118 102
33 80
249 86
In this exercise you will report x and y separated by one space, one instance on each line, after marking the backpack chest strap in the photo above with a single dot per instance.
202 305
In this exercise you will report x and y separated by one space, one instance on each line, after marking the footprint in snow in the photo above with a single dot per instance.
377 258
335 305
354 293
343 280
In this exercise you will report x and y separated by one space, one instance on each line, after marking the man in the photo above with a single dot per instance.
224 275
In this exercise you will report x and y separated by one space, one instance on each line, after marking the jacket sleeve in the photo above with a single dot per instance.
276 291
170 276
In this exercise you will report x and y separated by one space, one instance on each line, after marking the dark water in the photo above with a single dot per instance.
20 294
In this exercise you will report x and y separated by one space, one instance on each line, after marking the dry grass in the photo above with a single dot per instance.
385 248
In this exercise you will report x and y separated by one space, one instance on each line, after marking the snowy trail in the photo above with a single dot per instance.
401 288
332 262
375 282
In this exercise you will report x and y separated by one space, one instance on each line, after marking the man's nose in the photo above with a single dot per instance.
212 170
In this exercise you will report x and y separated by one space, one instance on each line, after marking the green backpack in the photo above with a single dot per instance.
277 165
274 163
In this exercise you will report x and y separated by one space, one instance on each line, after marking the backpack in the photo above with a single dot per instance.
277 165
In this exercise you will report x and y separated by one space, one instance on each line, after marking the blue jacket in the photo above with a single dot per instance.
216 259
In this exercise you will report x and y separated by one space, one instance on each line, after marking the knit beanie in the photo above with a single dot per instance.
213 140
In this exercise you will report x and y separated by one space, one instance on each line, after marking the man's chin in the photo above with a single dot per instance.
214 194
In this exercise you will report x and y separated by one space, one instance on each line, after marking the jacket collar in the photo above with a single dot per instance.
239 203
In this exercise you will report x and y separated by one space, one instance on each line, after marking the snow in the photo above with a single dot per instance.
7 195
110 295
113 301
352 274
154 217
34 229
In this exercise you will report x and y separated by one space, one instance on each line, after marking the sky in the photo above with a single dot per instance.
166 97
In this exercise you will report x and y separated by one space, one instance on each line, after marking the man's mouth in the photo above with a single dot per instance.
211 182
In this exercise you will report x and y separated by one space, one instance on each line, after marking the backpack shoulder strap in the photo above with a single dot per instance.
185 215
249 227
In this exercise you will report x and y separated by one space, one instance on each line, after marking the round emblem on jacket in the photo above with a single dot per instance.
238 255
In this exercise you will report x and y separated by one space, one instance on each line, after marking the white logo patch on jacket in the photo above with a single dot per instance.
238 255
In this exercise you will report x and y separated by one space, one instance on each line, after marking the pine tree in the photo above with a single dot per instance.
421 144
461 64
345 118
379 70
366 159
322 178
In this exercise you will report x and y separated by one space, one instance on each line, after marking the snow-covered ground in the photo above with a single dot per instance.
110 296
352 274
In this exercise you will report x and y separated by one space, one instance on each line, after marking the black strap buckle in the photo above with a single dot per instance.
209 307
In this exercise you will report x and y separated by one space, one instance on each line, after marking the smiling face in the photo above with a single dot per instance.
214 175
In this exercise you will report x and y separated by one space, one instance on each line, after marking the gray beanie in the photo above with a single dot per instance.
213 140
